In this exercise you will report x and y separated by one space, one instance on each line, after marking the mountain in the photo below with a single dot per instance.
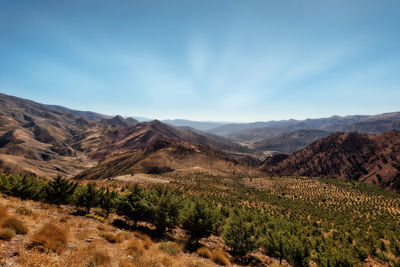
253 132
371 159
168 155
46 140
199 125
84 114
290 142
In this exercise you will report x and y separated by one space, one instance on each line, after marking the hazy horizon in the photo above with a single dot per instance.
225 61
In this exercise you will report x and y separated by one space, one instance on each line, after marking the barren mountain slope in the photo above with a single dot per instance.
372 159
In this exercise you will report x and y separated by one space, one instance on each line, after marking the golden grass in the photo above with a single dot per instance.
220 257
6 234
3 212
16 224
51 237
204 252
112 238
24 211
135 247
170 248
147 243
101 259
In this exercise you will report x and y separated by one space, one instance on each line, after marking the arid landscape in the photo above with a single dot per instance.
308 207
171 133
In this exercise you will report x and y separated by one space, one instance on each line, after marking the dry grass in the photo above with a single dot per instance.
147 243
6 234
113 238
51 237
170 248
24 211
220 257
16 224
101 259
135 247
3 212
204 252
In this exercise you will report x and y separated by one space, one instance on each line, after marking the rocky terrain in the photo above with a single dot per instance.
371 159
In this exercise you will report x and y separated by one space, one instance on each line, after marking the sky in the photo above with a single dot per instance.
204 60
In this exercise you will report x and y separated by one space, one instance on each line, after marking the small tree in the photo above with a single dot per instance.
296 252
133 206
59 191
25 187
88 196
274 245
107 202
164 209
198 220
239 234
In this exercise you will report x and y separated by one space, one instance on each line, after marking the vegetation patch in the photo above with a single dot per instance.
50 237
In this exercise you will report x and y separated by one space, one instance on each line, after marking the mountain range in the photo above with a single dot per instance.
46 140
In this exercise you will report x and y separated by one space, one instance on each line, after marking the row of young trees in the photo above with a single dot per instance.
240 229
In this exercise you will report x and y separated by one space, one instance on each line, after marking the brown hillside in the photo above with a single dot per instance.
372 159
47 140
168 156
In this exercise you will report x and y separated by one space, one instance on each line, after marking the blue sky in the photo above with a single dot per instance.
204 60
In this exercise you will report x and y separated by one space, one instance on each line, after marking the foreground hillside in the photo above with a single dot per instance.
199 220
370 159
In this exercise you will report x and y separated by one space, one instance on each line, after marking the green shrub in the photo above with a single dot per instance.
88 196
239 234
198 220
59 191
170 248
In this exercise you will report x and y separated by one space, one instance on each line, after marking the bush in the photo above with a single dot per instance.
16 225
220 257
101 259
108 200
204 252
170 248
239 234
198 220
164 209
135 247
25 187
6 234
96 217
51 237
88 196
59 191
112 238
296 253
133 206
145 238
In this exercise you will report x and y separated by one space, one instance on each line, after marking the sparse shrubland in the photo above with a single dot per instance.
296 220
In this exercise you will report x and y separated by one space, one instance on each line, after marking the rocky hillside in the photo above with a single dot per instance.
169 155
46 140
290 142
371 159
252 132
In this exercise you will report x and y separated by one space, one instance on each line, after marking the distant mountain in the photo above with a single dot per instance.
199 125
167 155
371 159
84 114
253 132
290 142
